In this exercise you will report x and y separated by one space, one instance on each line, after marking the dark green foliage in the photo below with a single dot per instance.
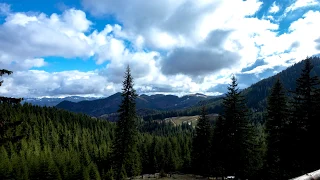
257 93
304 123
236 147
57 144
201 146
212 106
63 145
125 160
109 175
276 125
217 152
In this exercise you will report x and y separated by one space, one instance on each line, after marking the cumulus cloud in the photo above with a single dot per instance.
208 57
162 24
274 8
24 37
36 83
40 35
291 47
180 46
197 62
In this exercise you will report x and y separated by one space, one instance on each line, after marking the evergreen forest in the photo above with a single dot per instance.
50 143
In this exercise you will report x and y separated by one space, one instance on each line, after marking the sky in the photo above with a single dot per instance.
82 47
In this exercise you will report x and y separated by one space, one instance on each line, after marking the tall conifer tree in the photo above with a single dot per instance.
277 120
126 160
238 146
304 120
201 148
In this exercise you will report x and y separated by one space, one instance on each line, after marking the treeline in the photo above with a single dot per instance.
283 150
55 144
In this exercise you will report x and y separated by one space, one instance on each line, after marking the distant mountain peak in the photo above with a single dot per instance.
53 101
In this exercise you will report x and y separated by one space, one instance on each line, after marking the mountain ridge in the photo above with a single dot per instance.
53 101
157 102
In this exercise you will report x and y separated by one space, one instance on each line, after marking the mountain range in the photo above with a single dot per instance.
169 105
145 104
54 101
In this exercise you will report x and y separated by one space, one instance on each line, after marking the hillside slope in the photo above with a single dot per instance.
54 101
256 95
145 104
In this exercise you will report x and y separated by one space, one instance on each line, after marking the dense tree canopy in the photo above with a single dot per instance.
276 125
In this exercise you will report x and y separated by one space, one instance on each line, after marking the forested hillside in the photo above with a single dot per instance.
257 93
57 144
145 103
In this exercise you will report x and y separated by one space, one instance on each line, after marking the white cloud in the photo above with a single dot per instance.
186 24
295 45
34 83
24 36
157 31
302 3
274 8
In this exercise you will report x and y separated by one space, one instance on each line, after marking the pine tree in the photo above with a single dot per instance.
238 146
201 148
5 164
109 175
277 120
126 159
304 121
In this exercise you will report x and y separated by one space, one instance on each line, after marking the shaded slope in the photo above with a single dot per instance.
145 104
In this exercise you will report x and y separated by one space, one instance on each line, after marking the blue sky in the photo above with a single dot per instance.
81 47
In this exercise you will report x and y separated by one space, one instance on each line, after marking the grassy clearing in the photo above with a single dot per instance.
188 119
